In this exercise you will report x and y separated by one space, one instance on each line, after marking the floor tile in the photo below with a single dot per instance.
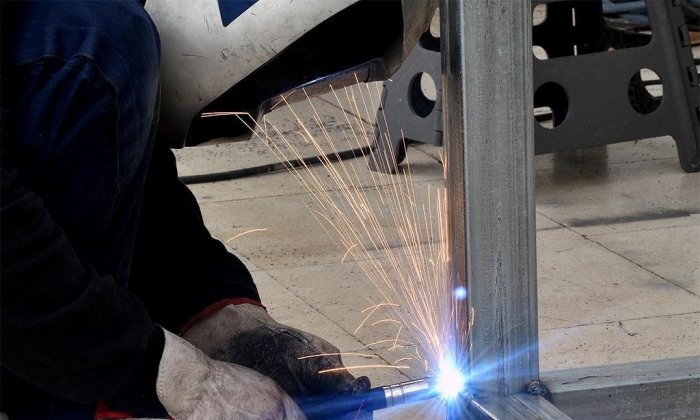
671 253
620 342
581 282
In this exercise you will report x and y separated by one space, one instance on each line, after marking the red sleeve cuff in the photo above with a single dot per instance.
214 308
105 413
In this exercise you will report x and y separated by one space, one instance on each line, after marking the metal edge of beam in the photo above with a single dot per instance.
659 389
514 406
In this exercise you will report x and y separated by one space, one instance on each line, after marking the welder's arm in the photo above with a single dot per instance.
179 270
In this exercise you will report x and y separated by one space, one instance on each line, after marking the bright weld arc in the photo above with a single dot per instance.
450 381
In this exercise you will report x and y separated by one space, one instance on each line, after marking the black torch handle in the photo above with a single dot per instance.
334 406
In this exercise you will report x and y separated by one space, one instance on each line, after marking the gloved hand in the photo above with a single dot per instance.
247 335
192 386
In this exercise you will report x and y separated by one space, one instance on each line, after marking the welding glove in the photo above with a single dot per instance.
247 335
193 386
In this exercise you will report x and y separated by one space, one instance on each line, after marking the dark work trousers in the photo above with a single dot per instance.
100 240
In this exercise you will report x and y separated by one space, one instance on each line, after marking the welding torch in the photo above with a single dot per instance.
374 399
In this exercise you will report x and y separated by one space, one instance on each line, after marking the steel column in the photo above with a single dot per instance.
488 123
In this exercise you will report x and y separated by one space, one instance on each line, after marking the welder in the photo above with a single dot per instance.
114 296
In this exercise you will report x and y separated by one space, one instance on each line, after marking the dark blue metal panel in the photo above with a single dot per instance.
231 9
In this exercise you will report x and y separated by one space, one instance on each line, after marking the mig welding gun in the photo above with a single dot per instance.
375 399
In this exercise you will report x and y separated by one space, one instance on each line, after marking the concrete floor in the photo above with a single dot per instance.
618 240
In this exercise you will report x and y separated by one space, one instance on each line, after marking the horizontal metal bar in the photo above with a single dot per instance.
513 406
661 389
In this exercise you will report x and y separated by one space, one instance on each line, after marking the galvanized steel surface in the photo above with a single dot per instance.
487 86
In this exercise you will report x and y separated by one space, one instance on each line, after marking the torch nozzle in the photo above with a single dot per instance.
408 392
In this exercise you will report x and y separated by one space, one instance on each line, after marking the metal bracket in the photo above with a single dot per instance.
405 112
596 97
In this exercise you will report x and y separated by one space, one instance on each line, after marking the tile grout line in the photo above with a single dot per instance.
617 321
292 194
420 149
649 229
544 170
633 230
642 267
588 238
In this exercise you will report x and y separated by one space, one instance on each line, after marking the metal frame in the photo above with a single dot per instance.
489 134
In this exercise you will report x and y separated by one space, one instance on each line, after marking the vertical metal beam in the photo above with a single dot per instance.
488 123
